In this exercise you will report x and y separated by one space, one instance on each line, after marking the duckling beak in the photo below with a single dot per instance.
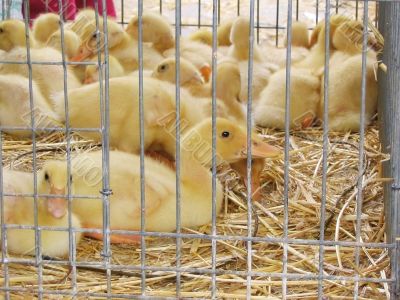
197 77
260 149
88 80
57 207
206 72
84 53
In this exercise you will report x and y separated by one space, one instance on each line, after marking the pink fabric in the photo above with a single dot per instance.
70 7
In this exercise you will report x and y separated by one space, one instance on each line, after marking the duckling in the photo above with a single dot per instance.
44 26
345 78
71 42
299 35
15 107
203 36
196 188
156 29
41 73
92 71
82 18
316 59
12 34
224 33
159 110
304 93
228 85
120 44
51 212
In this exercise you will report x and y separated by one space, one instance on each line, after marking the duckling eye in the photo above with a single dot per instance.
163 68
1 30
94 35
46 176
225 134
70 178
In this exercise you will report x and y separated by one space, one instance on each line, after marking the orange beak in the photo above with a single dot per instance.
260 149
57 207
206 72
88 80
84 53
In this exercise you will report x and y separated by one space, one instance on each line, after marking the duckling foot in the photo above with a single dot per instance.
307 121
116 238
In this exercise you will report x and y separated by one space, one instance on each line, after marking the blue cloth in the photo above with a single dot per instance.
13 7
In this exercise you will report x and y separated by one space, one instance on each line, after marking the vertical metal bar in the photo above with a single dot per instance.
316 11
71 234
219 12
142 162
238 8
297 10
161 7
287 141
249 166
38 250
337 7
199 14
178 144
122 12
389 121
324 155
4 256
214 153
357 5
258 21
277 24
361 146
105 128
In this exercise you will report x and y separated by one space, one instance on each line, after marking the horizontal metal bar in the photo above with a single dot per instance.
271 240
49 63
52 196
206 271
61 129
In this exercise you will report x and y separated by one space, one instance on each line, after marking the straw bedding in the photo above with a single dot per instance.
305 185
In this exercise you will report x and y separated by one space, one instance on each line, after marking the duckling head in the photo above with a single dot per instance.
12 34
53 180
240 32
231 143
93 39
155 29
71 42
45 25
189 74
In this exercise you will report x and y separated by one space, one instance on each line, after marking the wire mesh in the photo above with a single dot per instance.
270 278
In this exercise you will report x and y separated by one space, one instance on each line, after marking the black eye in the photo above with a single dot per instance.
94 35
70 178
225 134
1 30
163 68
238 99
46 176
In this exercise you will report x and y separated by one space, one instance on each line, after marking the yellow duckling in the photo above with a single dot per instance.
202 36
159 111
120 44
299 35
12 34
49 78
345 76
15 107
71 42
44 26
82 18
224 33
196 204
305 96
92 71
52 212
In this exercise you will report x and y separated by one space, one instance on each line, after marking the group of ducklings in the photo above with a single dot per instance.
83 42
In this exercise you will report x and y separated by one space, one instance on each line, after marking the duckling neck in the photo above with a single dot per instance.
193 170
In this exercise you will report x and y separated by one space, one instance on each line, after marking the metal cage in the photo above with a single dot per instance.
270 19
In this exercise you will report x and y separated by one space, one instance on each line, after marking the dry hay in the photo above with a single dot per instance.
304 216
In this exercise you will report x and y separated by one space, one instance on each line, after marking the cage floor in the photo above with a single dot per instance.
268 217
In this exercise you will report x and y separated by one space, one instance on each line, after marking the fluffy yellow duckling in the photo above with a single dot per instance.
49 78
12 34
299 35
305 96
92 71
120 44
345 78
156 29
203 36
228 85
15 107
44 26
224 33
82 18
71 42
52 212
159 109
196 204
